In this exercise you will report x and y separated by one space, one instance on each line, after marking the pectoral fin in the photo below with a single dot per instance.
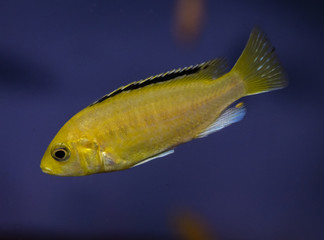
163 154
229 116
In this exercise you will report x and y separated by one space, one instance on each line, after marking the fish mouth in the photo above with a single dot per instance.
50 171
47 170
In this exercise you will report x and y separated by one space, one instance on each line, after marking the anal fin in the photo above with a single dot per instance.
228 117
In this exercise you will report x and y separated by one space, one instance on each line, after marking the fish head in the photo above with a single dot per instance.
71 154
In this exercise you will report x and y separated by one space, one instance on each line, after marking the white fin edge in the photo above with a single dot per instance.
163 154
230 116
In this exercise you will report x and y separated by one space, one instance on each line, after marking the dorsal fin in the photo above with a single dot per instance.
211 69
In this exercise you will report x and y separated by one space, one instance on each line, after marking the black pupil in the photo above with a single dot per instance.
60 154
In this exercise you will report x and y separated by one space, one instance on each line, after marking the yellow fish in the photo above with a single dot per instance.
148 119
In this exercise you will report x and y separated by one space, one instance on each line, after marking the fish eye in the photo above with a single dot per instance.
61 153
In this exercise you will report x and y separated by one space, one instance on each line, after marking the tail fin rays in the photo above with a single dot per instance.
258 65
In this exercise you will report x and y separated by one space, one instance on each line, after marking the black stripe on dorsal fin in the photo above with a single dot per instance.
214 68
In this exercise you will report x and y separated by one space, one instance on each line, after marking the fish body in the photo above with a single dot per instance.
147 119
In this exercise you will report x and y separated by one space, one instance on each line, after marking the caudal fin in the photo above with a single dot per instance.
258 65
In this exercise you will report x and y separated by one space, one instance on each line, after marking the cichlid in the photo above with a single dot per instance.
148 119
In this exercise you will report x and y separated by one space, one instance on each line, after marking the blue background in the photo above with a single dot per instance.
261 178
